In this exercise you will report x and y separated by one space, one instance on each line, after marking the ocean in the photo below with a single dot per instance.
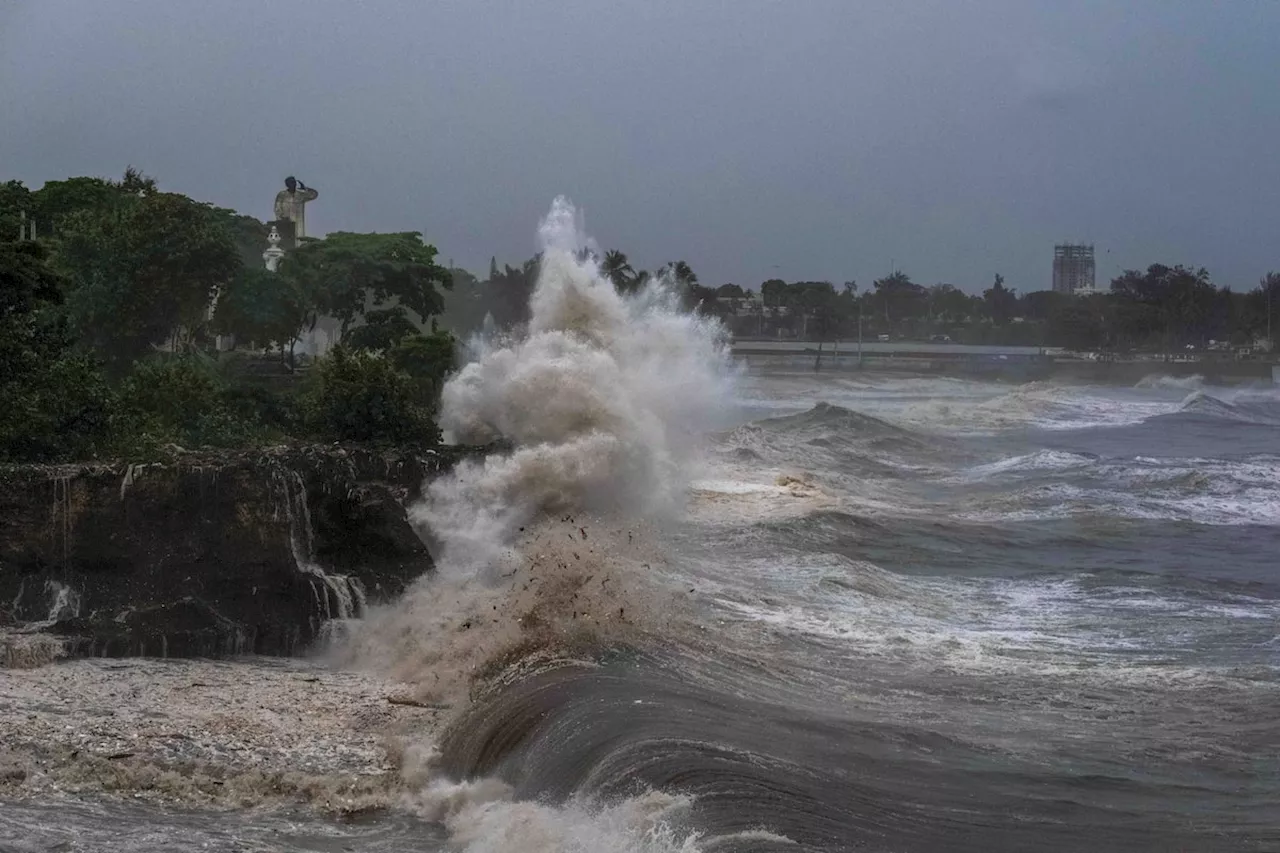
702 609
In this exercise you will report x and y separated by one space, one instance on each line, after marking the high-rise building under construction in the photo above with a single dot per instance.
1072 268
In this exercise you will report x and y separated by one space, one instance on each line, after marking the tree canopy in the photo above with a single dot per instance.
140 268
131 278
900 298
1001 302
345 272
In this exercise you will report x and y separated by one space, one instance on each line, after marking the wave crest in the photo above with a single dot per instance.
1241 410
603 401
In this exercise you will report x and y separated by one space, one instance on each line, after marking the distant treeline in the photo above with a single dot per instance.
1161 308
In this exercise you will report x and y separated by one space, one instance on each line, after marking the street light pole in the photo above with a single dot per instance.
859 337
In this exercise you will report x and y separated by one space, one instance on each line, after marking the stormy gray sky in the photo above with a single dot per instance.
802 139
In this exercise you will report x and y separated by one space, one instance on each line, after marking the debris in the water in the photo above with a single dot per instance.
414 703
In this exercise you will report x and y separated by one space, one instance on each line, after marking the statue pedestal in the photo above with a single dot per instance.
287 230
271 257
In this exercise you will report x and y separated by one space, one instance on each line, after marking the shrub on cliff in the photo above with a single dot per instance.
358 396
54 411
426 358
179 400
429 359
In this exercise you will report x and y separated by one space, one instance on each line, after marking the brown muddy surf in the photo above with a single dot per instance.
228 733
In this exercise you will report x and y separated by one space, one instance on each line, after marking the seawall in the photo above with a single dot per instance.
1017 364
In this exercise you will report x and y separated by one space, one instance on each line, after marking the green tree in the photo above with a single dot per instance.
140 269
1041 304
773 293
57 406
948 304
464 304
506 293
263 308
1168 306
343 274
358 396
178 399
1001 302
1262 308
248 233
381 330
57 200
678 273
1080 322
817 304
27 279
428 360
15 201
618 270
900 298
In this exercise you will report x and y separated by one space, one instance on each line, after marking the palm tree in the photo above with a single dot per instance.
683 274
618 270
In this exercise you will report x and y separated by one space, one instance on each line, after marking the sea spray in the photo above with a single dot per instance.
603 400
547 550
483 815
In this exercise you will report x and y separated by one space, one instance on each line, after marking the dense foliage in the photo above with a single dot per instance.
358 396
107 321
56 401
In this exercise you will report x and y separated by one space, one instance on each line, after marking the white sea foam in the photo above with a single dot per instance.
483 816
1034 626
1180 383
964 406
605 400
1203 491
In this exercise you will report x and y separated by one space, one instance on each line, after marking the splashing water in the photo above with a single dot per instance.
605 400
482 816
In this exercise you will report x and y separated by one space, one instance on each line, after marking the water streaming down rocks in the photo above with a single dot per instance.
209 554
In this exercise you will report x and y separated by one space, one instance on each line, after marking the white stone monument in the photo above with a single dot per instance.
291 205
274 253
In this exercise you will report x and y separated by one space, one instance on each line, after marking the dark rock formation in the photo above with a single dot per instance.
210 554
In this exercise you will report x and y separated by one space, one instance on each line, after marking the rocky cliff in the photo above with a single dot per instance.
209 554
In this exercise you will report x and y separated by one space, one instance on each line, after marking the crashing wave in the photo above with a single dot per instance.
1180 383
603 401
1206 405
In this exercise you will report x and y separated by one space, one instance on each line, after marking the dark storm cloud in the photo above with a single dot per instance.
805 139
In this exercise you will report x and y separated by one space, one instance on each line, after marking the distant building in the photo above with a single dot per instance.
1073 268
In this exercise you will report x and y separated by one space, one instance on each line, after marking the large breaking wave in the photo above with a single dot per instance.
544 546
605 400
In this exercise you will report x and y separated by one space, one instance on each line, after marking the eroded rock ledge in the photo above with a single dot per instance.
209 554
